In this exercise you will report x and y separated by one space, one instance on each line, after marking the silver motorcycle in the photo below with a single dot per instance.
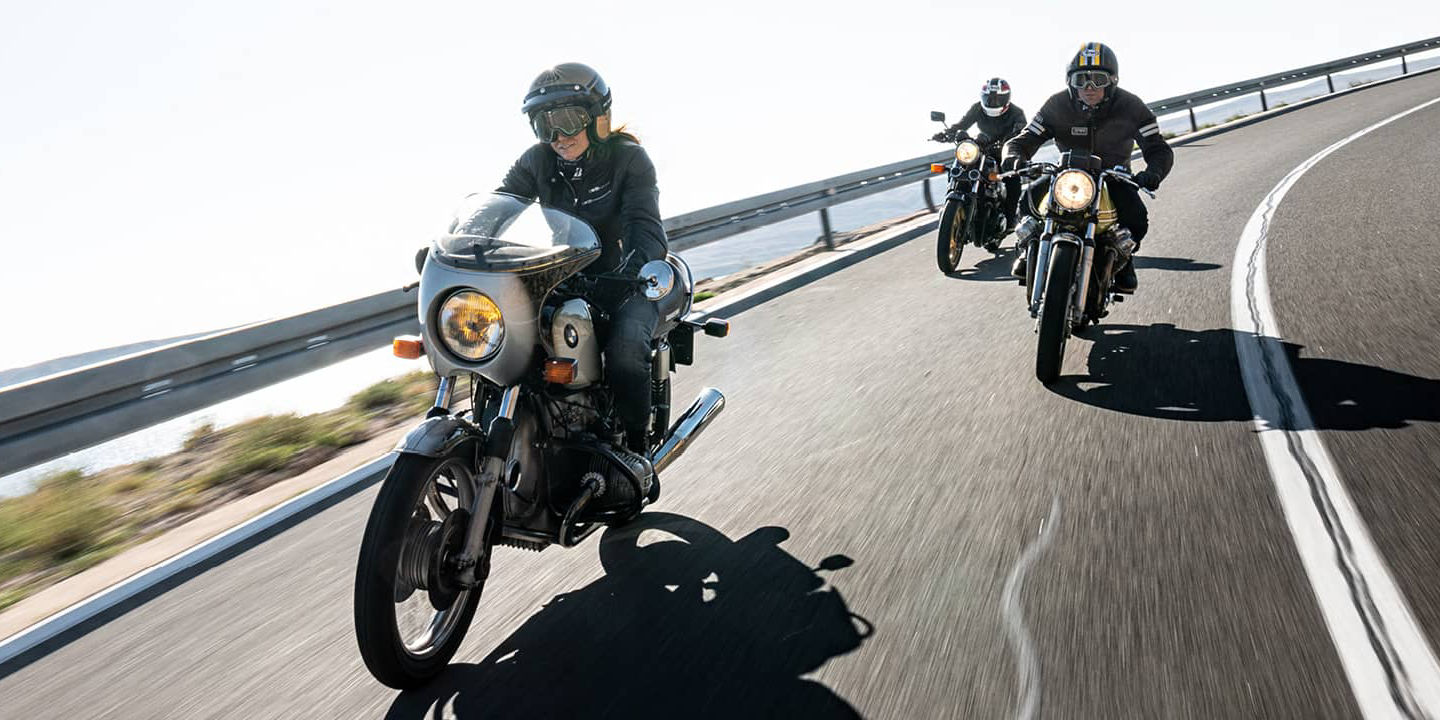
538 457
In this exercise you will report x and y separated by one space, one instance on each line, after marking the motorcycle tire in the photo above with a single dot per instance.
399 510
951 239
1054 315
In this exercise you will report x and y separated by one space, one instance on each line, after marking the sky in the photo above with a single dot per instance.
173 167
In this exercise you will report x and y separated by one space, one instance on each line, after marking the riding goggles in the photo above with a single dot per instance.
567 121
1091 78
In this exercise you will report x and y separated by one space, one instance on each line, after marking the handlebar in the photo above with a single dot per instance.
1034 170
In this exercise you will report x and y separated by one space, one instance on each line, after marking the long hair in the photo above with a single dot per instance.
593 131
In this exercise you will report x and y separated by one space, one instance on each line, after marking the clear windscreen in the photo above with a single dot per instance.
495 232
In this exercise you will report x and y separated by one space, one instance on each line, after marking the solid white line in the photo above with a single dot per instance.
40 632
1027 663
1391 667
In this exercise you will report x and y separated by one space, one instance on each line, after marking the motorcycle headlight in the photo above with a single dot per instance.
1074 190
966 152
470 325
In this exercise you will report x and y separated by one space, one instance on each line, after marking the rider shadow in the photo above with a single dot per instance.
685 623
994 268
1146 262
1167 372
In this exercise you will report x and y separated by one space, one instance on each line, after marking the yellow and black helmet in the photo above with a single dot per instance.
1095 65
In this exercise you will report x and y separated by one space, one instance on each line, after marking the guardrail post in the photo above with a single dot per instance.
1330 82
1404 68
1263 105
929 199
1193 126
825 227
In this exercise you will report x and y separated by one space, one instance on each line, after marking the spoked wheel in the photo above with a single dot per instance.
951 239
410 612
1054 312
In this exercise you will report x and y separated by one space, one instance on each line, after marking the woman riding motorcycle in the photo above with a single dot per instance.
602 176
1094 115
999 121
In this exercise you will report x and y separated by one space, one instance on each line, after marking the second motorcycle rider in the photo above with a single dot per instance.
605 178
999 121
1093 114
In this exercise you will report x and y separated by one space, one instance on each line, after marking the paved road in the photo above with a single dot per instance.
862 527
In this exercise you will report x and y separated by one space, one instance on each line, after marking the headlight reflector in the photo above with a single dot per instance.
1074 190
470 325
966 152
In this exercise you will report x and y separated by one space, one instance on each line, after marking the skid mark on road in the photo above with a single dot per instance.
1391 667
1027 663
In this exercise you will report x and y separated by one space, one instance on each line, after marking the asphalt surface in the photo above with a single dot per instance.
852 521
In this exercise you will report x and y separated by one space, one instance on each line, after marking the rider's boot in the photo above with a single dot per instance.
1017 270
1125 280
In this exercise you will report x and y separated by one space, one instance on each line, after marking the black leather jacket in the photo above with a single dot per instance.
1109 131
612 187
1000 129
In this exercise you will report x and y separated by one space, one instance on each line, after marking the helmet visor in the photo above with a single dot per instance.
1091 78
995 99
551 124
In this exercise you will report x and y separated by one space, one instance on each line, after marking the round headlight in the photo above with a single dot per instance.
1074 190
470 325
966 152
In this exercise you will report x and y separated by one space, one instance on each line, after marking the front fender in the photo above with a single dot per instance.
437 436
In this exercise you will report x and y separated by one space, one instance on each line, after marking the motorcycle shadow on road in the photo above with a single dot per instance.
1167 372
994 268
685 623
1147 262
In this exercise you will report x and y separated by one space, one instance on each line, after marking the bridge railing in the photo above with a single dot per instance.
1262 85
51 416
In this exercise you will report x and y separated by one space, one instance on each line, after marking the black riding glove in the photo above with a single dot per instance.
1010 163
942 136
1148 180
982 139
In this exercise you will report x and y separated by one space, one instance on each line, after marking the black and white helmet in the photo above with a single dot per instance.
995 97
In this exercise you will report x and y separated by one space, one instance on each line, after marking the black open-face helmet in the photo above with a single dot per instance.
995 97
564 100
1095 64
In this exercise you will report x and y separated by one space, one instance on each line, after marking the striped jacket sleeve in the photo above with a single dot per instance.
1159 158
1030 139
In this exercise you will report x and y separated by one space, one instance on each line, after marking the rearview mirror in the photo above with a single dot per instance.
937 116
659 279
420 256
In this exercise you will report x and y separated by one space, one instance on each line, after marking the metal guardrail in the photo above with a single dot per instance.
1231 91
48 417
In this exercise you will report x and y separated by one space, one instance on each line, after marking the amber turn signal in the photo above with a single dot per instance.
560 371
994 177
937 168
408 347
715 327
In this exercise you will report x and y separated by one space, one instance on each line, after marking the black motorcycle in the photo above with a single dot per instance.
974 203
1072 255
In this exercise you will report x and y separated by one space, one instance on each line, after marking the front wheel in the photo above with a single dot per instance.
1054 312
951 239
410 613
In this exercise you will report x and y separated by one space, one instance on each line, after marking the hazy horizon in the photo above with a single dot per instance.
169 169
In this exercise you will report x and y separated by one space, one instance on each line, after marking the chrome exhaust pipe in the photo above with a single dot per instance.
709 404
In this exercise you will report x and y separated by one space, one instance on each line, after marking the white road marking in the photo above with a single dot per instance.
1391 667
1027 664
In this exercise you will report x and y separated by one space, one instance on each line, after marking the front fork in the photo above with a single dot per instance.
1037 281
492 467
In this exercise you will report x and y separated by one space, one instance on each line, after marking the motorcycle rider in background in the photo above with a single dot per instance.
1095 115
999 121
604 177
